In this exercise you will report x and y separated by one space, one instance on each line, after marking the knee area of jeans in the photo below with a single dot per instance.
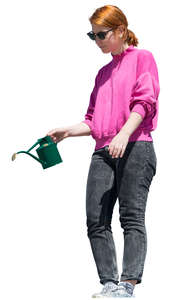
135 220
97 227
137 226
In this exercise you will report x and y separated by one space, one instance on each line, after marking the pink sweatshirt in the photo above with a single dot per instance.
128 83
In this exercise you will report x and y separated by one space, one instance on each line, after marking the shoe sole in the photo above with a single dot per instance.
111 297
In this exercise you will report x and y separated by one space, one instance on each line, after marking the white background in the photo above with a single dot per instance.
47 71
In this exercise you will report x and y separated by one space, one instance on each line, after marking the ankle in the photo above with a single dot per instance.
130 281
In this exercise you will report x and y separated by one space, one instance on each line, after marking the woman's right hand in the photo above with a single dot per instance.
58 134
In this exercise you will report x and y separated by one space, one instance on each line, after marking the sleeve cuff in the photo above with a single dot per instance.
139 109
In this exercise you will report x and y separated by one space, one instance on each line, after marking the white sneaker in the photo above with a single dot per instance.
124 290
106 291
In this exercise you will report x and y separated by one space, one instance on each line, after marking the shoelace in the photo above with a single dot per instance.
108 287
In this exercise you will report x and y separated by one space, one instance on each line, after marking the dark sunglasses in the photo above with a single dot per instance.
101 35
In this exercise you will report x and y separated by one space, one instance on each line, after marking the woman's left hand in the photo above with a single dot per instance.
118 144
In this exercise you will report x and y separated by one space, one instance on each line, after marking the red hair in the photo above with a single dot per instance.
111 16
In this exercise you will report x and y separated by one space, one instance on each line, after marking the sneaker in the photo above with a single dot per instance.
124 290
106 291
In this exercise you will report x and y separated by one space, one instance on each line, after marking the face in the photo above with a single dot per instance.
111 43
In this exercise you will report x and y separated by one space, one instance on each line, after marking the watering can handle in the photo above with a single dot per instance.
34 145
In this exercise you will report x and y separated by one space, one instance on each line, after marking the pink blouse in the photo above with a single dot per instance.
129 82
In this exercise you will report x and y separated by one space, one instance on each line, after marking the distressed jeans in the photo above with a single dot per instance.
127 179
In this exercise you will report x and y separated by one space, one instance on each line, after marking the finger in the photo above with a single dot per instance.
119 151
122 151
118 154
53 135
52 131
49 134
112 151
54 139
115 152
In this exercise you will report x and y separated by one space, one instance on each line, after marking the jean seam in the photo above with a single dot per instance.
152 163
141 260
109 186
105 221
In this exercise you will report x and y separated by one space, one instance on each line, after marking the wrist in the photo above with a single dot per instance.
67 133
64 131
125 131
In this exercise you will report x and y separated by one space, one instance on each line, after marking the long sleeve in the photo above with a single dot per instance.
146 89
89 114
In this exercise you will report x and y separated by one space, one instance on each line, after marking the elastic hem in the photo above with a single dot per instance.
139 135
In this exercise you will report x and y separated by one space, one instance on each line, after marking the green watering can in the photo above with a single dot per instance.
47 152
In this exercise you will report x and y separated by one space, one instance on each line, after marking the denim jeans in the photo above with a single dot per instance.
127 179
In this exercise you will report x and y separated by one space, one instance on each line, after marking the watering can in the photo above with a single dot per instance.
47 152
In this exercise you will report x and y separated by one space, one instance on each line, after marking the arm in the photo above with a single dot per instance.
120 141
132 123
80 129
144 97
143 102
89 113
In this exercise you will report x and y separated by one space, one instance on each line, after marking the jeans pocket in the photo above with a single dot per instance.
152 164
101 150
152 158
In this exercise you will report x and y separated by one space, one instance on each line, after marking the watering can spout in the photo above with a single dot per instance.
33 156
47 152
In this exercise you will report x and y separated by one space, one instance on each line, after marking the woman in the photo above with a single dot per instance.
122 112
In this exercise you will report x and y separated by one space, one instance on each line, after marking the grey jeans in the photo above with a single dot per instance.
127 178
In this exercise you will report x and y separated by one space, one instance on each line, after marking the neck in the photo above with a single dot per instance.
121 49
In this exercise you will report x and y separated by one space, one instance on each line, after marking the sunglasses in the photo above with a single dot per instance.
101 35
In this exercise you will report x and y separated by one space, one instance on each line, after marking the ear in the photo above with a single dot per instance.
120 28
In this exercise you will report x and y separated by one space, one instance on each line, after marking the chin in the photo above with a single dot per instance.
105 50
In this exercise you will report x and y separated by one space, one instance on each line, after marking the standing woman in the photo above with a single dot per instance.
122 112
